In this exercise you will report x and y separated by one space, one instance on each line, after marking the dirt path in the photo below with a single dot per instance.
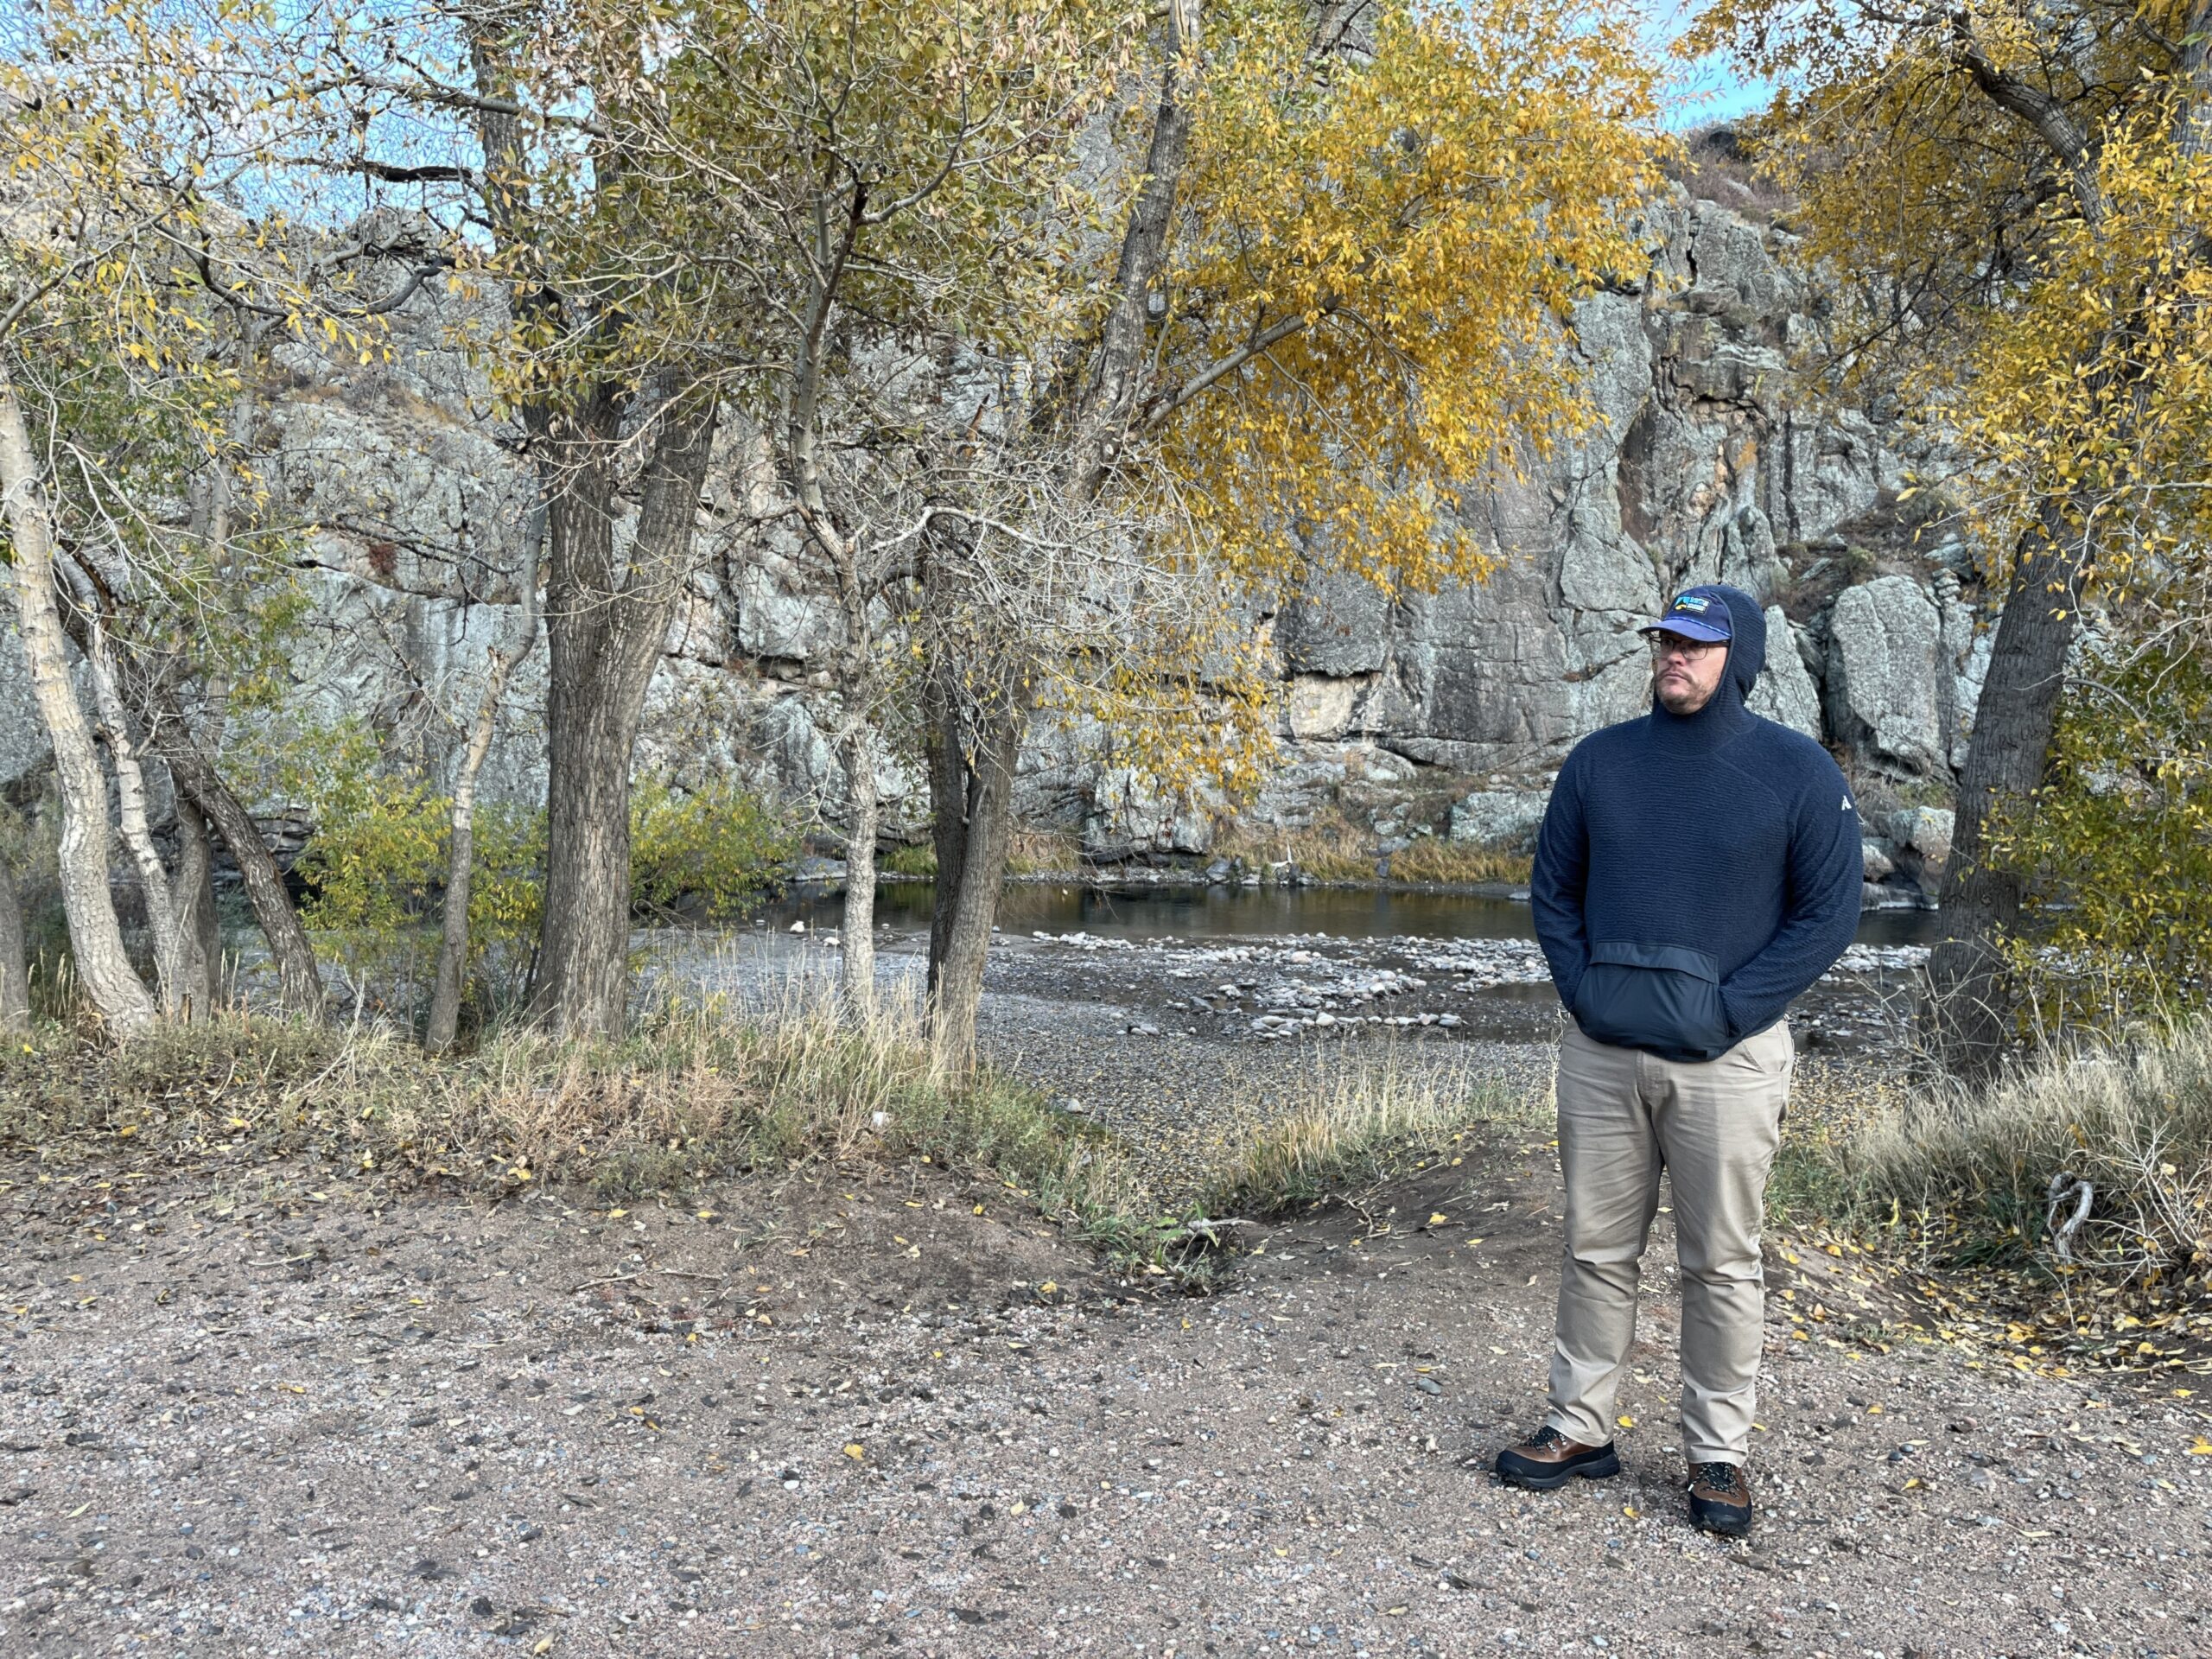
861 1419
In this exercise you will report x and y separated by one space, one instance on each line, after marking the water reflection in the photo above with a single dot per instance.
1189 912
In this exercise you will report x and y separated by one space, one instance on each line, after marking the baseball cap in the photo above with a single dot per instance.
1695 614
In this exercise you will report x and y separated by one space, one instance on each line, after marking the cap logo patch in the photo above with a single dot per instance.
1697 602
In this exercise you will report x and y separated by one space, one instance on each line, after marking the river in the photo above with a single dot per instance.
1193 912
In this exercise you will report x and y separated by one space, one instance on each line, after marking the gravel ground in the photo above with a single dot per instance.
884 1410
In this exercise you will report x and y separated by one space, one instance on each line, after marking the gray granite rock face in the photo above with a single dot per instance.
1695 466
1784 691
1506 820
1886 641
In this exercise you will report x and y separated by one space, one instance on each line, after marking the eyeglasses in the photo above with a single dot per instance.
1668 645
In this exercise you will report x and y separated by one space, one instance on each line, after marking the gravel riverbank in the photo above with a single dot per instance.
884 1410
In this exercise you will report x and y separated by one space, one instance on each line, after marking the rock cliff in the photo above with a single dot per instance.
1442 715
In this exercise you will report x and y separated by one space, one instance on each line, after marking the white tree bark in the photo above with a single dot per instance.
95 937
137 831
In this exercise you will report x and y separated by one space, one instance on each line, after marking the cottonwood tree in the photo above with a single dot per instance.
889 194
506 126
614 384
1339 292
161 161
2020 198
105 172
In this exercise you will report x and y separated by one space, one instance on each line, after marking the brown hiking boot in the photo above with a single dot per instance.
1721 1499
1547 1460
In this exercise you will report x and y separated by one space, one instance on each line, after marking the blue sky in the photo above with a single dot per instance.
1712 91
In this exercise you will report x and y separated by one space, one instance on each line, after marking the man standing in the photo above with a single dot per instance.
1698 867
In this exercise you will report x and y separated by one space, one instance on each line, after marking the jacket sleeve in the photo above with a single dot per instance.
1820 913
1557 880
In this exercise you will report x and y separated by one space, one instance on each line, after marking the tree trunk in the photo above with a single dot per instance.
605 630
95 936
949 778
460 868
453 936
200 963
957 970
299 980
1967 1016
856 974
130 815
14 975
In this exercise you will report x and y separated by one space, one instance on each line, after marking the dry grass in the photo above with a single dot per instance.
1433 858
1044 852
1335 849
2061 1217
1034 852
1714 163
699 1090
2007 1167
1362 1125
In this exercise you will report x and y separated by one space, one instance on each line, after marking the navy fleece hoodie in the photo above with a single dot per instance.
1696 872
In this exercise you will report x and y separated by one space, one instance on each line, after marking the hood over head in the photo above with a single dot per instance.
1746 644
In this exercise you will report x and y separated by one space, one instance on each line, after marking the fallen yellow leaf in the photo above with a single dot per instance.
2202 1449
1626 1422
855 1450
1439 1219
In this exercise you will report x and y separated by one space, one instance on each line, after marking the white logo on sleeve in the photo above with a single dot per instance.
1847 803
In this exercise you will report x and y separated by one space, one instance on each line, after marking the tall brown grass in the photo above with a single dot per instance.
2123 1125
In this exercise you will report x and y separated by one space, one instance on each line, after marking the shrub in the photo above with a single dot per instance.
720 846
2117 844
2118 1130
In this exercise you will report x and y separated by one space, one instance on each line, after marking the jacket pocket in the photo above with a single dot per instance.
1663 999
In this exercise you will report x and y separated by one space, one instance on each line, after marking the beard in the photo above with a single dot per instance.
1679 694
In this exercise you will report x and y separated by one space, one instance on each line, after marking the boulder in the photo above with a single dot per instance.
1783 691
1321 705
1889 691
1505 819
1922 838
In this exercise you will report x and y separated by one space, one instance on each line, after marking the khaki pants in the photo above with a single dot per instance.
1713 1125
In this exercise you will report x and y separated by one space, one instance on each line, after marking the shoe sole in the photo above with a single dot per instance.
1604 1468
1727 1526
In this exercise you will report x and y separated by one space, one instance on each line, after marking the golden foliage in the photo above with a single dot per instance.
1417 222
2016 200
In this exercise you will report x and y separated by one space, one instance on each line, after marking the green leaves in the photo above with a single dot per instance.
720 845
